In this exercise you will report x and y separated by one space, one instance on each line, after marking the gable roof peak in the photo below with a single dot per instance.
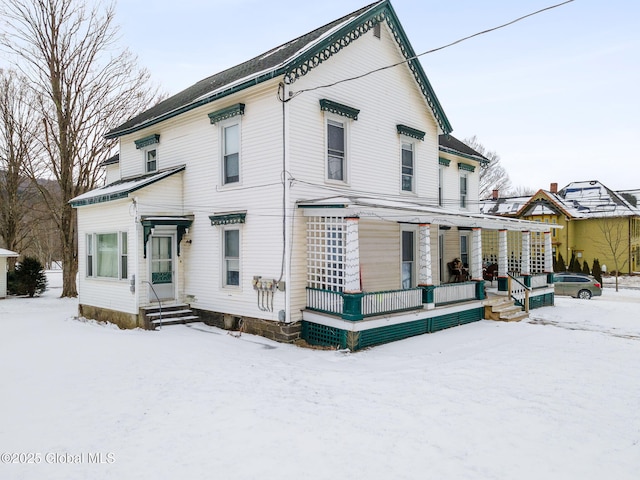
291 61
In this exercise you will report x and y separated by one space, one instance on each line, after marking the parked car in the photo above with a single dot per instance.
576 285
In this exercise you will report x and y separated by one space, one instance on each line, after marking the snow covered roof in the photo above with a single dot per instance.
449 144
290 60
7 253
578 200
413 212
121 188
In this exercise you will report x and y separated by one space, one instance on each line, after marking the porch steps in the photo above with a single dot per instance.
169 315
503 309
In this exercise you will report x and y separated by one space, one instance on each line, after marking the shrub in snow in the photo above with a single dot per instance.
28 279
597 271
560 265
585 268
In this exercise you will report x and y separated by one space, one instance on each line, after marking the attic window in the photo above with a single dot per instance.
223 114
410 132
146 141
339 109
376 30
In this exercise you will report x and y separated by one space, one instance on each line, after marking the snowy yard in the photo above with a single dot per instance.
556 397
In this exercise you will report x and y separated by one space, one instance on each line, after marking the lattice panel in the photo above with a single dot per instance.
537 252
489 247
326 251
514 251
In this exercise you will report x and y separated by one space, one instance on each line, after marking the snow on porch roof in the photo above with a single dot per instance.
411 212
7 253
121 188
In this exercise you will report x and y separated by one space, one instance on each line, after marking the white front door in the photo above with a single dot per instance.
162 267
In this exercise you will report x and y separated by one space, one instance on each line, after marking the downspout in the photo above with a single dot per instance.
286 202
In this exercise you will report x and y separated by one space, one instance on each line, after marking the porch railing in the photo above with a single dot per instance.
519 291
356 306
539 281
454 292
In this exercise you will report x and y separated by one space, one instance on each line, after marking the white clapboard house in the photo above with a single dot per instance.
282 198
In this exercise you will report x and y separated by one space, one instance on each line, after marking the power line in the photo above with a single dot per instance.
493 29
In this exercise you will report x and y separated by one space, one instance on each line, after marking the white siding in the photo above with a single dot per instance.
3 277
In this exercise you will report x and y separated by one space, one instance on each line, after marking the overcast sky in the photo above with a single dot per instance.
556 95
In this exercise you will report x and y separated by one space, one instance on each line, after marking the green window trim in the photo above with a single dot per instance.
339 109
146 141
467 167
410 132
228 218
228 112
444 161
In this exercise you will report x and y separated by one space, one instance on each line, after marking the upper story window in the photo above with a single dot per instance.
229 133
150 160
408 150
149 147
336 144
231 153
336 140
407 167
464 179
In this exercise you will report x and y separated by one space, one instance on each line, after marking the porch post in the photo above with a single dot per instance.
525 264
548 257
352 282
426 275
425 279
476 254
503 284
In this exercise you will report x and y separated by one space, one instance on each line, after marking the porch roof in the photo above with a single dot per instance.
404 211
121 188
7 253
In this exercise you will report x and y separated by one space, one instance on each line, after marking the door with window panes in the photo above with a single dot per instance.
161 266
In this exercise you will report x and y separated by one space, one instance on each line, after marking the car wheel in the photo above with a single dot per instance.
584 294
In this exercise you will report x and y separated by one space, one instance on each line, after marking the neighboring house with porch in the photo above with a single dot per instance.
596 222
279 198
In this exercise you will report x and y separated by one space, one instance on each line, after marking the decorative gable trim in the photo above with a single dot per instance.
146 141
339 109
343 37
444 161
467 167
410 132
228 218
223 114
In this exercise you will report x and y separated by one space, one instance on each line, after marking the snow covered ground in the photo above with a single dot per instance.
557 397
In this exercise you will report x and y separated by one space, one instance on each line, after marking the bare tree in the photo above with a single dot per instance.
84 84
493 176
615 241
18 131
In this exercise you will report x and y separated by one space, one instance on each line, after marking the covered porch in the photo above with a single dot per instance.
373 266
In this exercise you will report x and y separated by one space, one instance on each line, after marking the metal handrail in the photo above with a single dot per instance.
157 298
512 292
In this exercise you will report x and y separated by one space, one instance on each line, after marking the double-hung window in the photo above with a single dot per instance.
407 167
231 254
463 190
107 255
150 160
336 150
230 153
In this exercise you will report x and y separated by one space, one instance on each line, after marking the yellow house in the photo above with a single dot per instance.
595 222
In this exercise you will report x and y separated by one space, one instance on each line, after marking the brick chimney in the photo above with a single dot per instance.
554 188
495 194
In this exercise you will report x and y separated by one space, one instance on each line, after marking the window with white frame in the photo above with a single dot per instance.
336 150
231 257
463 190
464 249
230 134
151 160
407 166
408 258
106 255
441 186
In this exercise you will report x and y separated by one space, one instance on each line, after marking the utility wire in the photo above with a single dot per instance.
295 94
